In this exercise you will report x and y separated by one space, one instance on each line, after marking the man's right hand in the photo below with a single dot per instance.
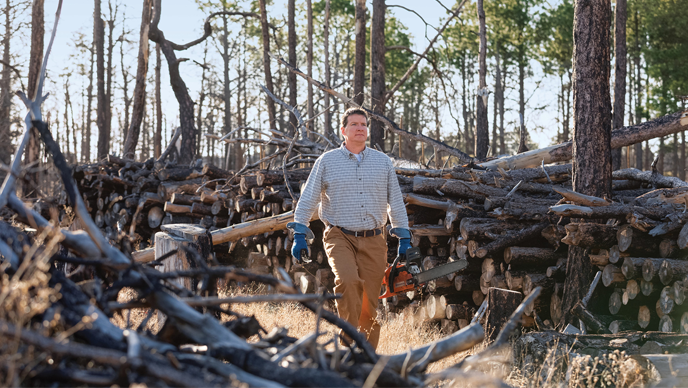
299 247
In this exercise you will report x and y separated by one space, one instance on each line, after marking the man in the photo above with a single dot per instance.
353 185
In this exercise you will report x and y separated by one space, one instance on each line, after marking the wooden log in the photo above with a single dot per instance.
514 280
590 235
485 228
459 311
581 199
651 268
166 189
678 289
646 288
632 290
621 137
247 182
615 302
632 267
512 239
177 209
236 232
645 317
501 304
666 300
202 209
612 276
430 230
534 280
179 174
672 269
478 297
666 324
434 307
682 241
554 234
274 177
591 322
531 257
213 172
636 242
218 208
602 258
422 185
466 283
448 326
621 325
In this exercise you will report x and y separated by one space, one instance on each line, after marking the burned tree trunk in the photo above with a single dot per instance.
5 95
35 59
272 115
101 98
360 52
482 137
291 77
157 138
620 75
309 60
140 88
592 135
186 105
377 72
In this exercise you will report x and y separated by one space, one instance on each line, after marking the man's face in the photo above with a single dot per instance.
356 129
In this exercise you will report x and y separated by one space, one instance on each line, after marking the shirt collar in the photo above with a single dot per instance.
350 154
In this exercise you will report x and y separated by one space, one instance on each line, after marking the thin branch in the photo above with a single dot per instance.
413 67
16 72
389 124
170 145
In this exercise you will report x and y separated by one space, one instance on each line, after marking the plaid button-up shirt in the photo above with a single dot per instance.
351 194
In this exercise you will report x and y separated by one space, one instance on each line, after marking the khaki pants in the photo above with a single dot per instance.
358 264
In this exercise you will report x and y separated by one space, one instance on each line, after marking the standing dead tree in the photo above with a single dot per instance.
140 88
168 48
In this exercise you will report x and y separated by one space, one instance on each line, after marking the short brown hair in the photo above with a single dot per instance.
353 111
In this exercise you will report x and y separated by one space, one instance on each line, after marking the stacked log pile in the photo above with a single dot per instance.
513 227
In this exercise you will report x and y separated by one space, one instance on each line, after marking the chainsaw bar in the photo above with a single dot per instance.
440 270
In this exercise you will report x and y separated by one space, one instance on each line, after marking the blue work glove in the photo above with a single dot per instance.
404 245
300 248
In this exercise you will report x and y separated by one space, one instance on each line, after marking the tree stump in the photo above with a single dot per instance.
502 303
188 240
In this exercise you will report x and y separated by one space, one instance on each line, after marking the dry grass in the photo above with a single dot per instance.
560 369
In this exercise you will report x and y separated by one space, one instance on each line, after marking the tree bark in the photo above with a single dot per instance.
157 139
140 88
291 77
35 59
226 86
108 84
272 115
592 132
482 136
377 72
327 129
360 52
620 75
101 99
5 95
86 146
186 109
309 60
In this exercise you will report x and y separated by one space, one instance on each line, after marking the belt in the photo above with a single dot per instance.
362 233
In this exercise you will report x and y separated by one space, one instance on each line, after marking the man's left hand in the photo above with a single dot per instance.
404 245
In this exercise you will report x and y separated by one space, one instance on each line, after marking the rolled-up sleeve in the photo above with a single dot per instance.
310 196
396 209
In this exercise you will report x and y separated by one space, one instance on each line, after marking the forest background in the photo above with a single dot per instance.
529 70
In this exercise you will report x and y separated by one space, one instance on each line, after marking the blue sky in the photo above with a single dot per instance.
182 21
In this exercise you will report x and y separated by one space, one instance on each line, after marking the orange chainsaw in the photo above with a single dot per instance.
410 274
